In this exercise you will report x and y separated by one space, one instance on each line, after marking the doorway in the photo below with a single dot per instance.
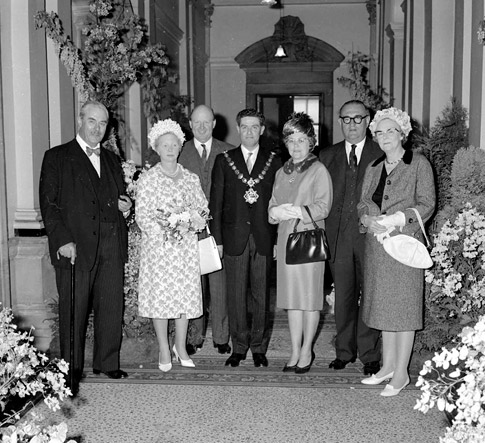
277 108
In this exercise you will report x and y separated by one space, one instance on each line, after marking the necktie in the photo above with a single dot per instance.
249 162
353 158
91 151
204 155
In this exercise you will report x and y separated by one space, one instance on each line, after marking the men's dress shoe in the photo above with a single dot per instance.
391 391
340 364
235 359
373 380
371 367
117 373
260 360
300 370
192 349
289 368
223 349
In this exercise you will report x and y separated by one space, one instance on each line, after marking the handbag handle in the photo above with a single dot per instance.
310 214
421 225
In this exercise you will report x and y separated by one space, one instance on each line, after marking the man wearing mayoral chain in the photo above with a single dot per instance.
242 182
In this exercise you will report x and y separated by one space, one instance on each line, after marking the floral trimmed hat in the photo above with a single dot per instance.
163 127
400 117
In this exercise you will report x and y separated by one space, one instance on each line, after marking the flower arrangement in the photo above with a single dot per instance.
454 381
25 374
481 31
115 53
458 277
177 221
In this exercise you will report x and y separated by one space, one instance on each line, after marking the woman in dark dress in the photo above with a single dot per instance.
393 302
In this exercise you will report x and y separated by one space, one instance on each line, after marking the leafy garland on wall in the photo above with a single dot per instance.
358 84
115 53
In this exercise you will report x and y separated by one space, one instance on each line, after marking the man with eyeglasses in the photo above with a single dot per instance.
347 161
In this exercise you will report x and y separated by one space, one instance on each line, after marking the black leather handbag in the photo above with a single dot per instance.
307 246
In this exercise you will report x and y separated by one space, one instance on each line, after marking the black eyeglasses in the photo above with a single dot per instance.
357 119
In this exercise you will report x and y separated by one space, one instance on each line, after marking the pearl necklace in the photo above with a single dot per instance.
170 174
395 162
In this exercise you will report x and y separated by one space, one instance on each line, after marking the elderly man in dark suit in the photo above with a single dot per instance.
82 203
347 161
198 155
242 182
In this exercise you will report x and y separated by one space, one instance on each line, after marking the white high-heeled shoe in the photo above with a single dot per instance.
164 367
373 380
391 391
185 363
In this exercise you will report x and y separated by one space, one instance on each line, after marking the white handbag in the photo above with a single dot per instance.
409 250
209 259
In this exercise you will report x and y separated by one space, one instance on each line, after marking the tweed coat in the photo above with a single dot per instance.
393 292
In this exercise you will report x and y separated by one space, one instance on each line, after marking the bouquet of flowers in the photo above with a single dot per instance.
177 221
457 385
25 374
458 278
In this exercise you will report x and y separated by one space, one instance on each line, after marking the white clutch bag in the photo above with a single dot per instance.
209 259
409 250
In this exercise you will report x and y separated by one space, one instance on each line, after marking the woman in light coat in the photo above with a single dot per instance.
393 303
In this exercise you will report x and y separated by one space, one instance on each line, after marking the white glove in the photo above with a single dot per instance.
391 222
286 211
395 220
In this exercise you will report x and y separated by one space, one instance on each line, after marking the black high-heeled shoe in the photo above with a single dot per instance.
300 370
289 368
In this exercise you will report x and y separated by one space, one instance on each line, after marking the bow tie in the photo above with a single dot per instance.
91 151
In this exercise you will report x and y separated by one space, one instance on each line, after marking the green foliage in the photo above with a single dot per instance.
358 66
468 178
440 145
115 53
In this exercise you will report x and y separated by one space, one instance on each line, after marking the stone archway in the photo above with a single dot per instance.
307 69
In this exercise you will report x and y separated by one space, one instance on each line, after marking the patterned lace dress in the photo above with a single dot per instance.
169 278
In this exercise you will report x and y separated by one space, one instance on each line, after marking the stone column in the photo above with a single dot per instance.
38 97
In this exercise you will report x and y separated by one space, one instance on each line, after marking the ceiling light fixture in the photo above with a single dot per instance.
269 2
280 52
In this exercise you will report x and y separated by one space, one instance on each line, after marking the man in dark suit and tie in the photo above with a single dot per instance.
82 203
242 181
198 155
347 161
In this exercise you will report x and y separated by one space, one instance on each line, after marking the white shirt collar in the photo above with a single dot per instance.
83 144
358 149
246 152
198 146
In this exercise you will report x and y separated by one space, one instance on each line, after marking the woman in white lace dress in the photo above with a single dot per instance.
169 279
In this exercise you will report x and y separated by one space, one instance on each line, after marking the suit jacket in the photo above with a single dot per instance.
335 159
232 218
190 159
69 203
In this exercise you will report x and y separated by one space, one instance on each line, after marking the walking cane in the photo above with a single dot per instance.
71 333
